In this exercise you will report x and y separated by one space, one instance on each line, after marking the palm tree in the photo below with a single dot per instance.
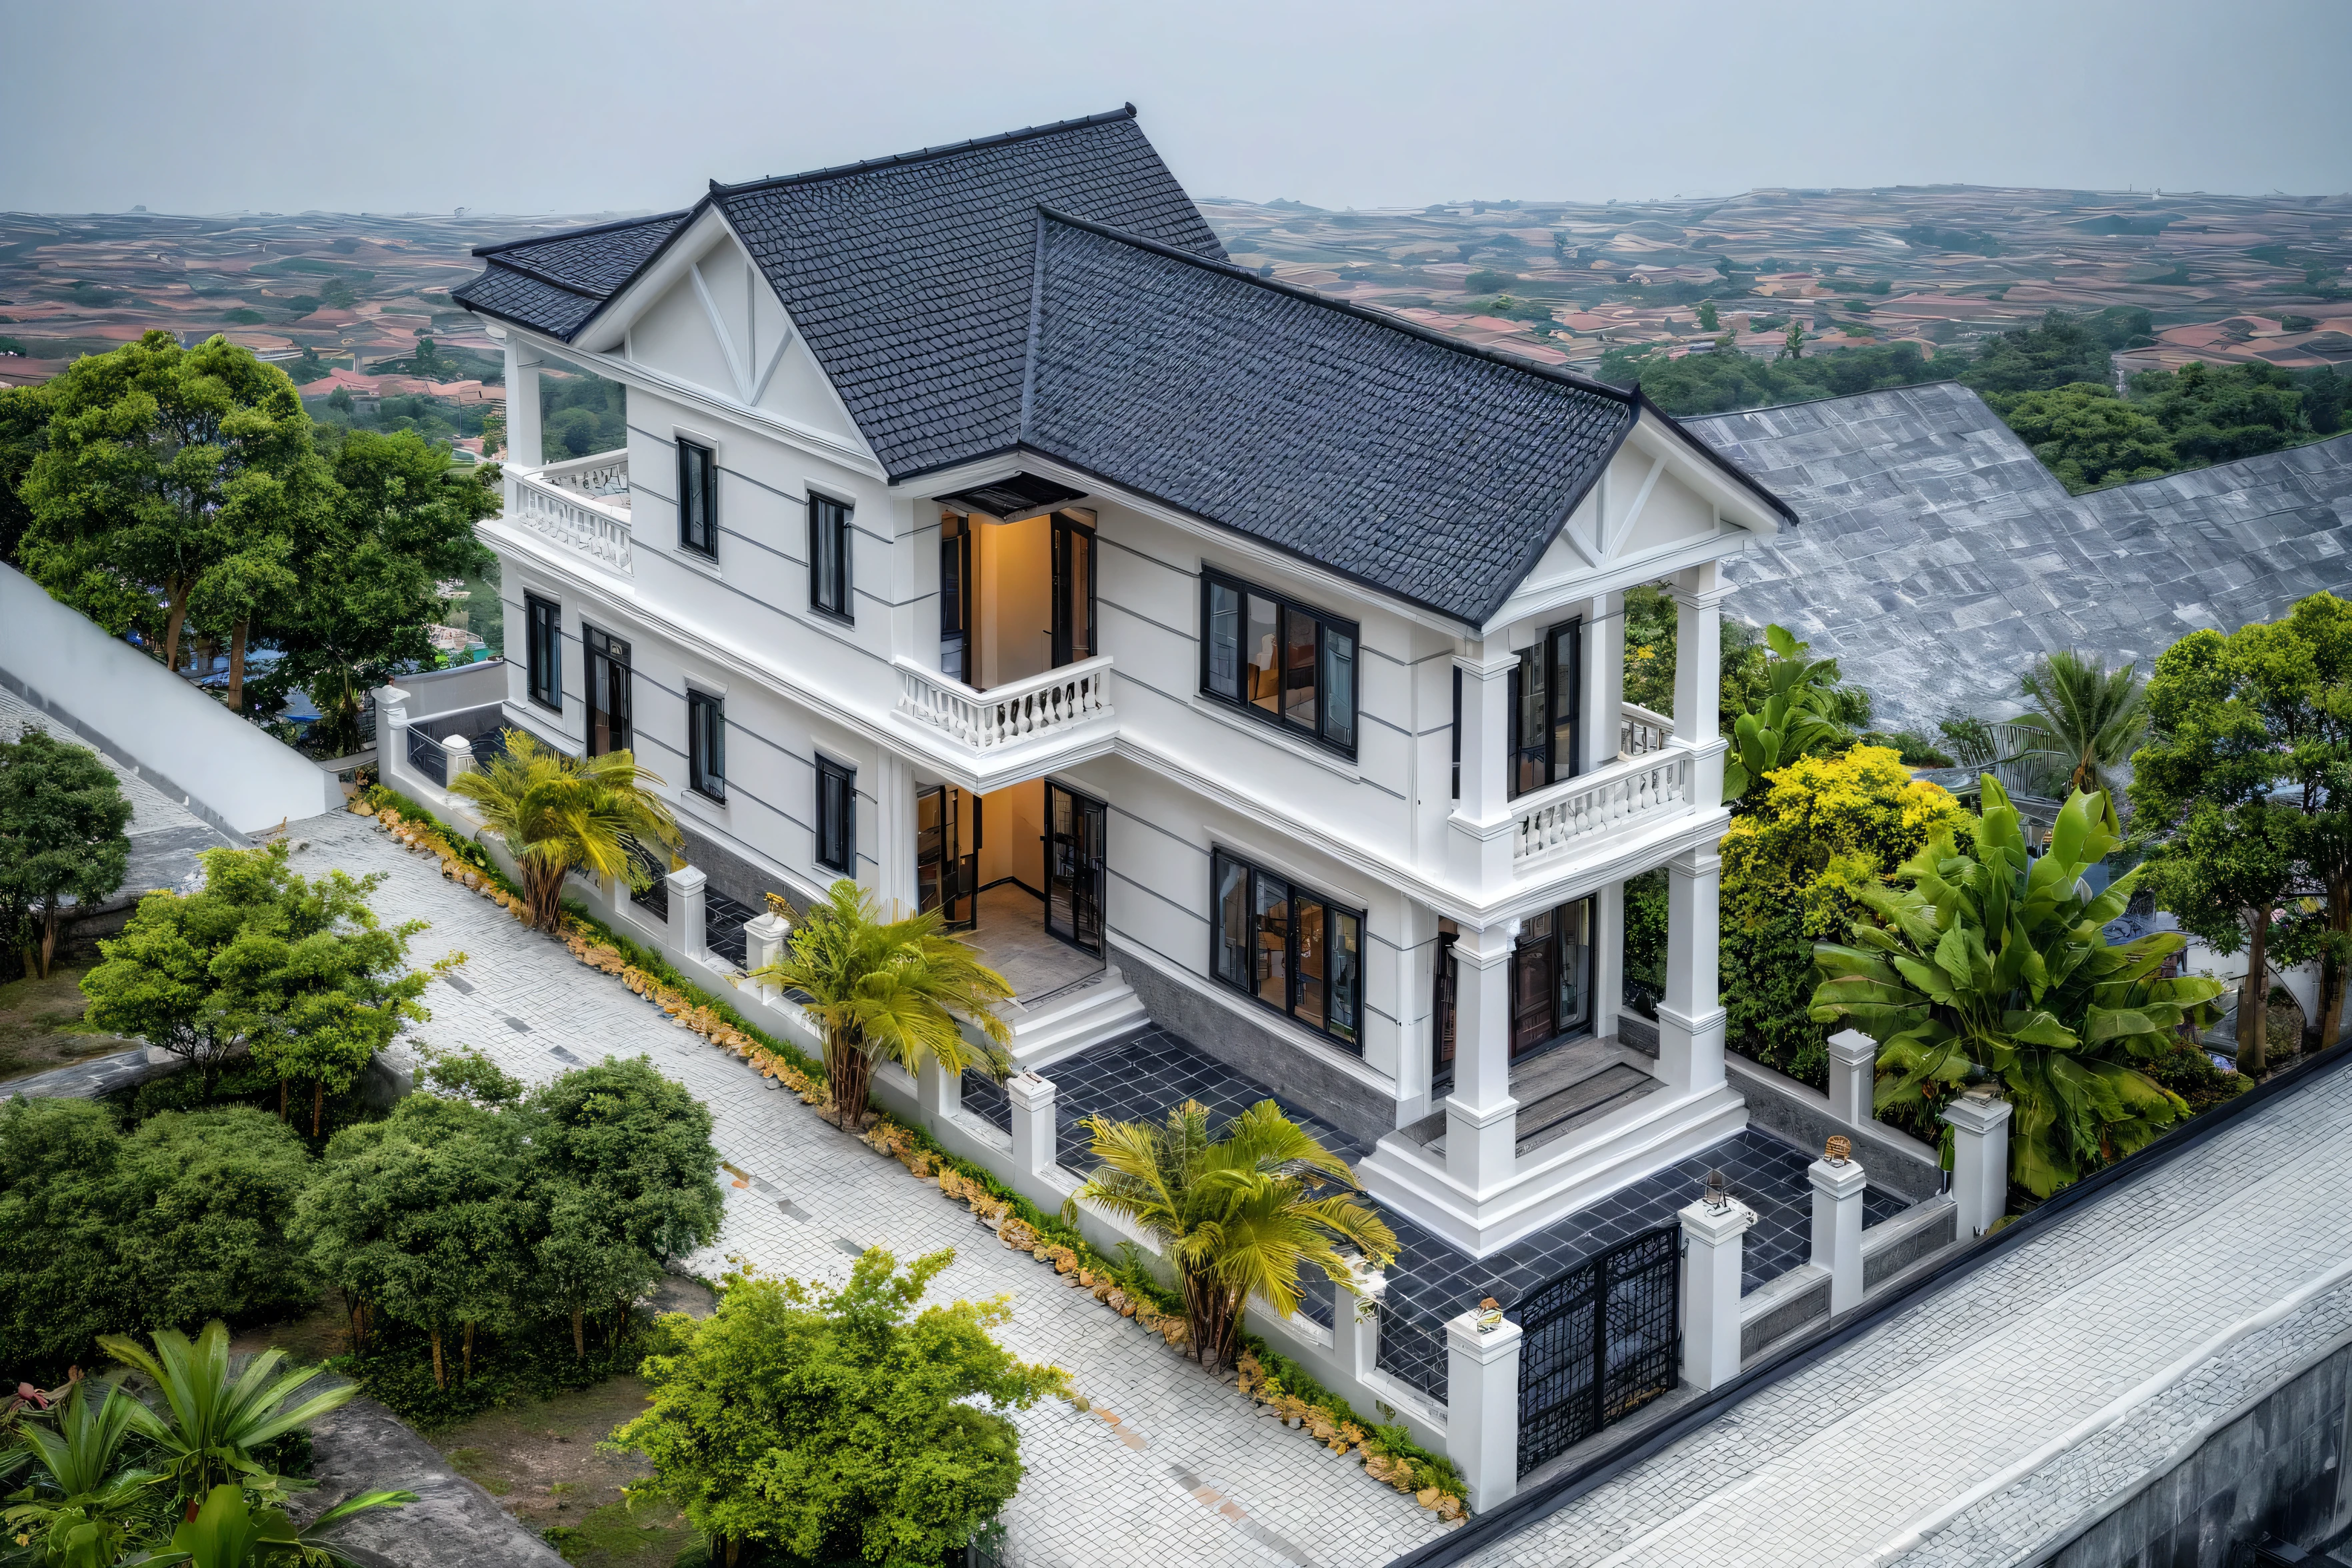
1237 1215
216 1422
81 1505
559 814
890 989
2087 720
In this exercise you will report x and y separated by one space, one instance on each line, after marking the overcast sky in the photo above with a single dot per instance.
591 105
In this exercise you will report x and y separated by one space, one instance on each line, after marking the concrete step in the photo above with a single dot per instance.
1070 1021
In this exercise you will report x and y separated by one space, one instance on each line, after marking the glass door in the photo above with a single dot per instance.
959 650
1074 868
1074 590
947 854
608 691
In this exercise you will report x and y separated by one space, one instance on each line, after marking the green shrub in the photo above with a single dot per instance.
530 1360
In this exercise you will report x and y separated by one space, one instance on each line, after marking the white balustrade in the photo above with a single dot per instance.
1640 731
1008 714
1603 802
597 529
604 475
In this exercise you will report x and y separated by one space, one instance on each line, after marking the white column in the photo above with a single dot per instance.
1356 1320
1690 1018
1480 827
1712 1245
937 1091
1482 1406
1604 679
685 931
457 756
391 734
522 405
1980 1123
892 842
1699 676
1608 956
1838 1187
764 944
1034 1147
1481 1117
1853 1074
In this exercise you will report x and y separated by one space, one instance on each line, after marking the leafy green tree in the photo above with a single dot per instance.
1239 1212
2058 351
1795 716
62 816
1992 964
23 432
2088 436
2222 873
370 573
624 1181
1708 321
559 814
1793 342
297 968
828 1424
2087 720
896 990
161 464
1721 382
2217 414
1651 628
1818 830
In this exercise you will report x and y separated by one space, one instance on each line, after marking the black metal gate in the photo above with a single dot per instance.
1600 1341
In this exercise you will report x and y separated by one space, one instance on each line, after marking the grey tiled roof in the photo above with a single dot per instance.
1429 472
1936 556
556 282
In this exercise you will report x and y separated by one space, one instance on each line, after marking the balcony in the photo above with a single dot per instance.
581 505
1641 733
1011 729
1577 812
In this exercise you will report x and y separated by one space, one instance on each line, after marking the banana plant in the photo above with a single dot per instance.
227 1532
1992 964
1792 721
83 1505
216 1421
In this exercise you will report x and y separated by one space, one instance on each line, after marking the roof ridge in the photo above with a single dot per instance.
576 233
1377 318
946 148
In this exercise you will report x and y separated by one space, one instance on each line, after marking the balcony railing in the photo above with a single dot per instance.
1640 731
1582 809
554 503
1006 715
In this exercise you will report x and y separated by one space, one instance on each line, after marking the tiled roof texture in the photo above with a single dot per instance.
910 278
1426 471
1937 556
555 283
512 296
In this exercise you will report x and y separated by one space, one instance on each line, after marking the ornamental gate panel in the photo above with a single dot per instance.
1599 1343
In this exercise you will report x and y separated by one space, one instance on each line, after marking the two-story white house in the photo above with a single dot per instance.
1216 652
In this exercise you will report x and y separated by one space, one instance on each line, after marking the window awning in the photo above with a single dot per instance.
1012 499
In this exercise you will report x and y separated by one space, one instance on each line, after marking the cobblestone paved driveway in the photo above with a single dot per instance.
1169 1468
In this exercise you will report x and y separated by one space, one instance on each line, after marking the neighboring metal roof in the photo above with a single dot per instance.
1939 556
1429 472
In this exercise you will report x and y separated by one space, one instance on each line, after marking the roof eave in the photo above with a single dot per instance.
1738 475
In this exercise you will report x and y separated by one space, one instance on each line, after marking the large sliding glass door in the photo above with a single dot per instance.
947 854
1074 868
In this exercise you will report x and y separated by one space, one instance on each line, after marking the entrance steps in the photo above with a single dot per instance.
1065 1022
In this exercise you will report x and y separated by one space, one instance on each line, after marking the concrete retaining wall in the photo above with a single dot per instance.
123 701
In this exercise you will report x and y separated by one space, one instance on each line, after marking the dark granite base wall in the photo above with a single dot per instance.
1800 1115
1259 1050
732 875
2273 1472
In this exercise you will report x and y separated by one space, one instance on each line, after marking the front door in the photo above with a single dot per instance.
1074 868
947 854
1531 986
1074 590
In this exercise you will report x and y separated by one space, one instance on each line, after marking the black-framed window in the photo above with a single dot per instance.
697 498
607 690
837 817
706 744
1289 947
1288 664
829 555
543 651
1545 704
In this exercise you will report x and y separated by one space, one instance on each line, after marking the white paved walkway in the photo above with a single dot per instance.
1188 1473
1993 1419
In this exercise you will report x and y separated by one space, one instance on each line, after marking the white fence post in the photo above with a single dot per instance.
1482 1404
457 756
938 1092
1034 1152
685 929
1980 1123
1712 1250
1854 1076
1838 1183
764 944
1355 1320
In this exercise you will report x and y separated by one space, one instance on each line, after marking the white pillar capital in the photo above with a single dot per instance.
1034 1149
1853 1072
764 944
1980 1123
1838 1189
457 756
685 929
1355 1320
1482 1406
1713 1249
